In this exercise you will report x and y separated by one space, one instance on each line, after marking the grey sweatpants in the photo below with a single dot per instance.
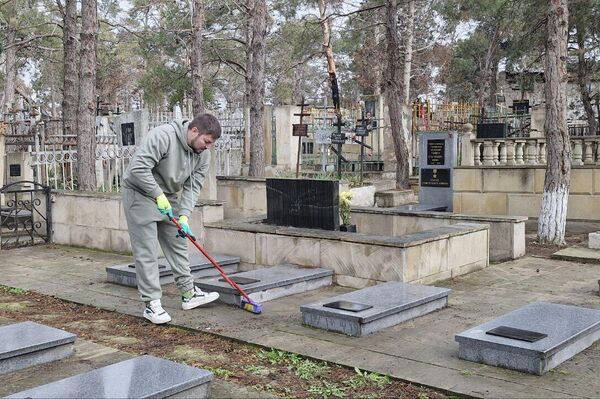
147 229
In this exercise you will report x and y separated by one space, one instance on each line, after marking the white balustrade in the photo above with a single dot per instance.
531 151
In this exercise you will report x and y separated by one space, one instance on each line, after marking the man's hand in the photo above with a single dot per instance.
164 206
185 228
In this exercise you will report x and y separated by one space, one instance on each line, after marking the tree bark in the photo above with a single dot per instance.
10 70
328 50
70 73
408 56
553 212
257 88
86 120
394 96
583 80
196 57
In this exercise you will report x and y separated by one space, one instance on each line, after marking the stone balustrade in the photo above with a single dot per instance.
528 151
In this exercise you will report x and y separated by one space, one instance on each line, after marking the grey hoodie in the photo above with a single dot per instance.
165 163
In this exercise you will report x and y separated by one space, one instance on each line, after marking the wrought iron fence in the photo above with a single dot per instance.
25 214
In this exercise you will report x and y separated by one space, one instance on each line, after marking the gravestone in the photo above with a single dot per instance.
307 203
533 339
27 344
437 157
371 309
269 283
140 377
200 267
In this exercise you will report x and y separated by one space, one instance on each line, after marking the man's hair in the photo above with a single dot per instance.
206 124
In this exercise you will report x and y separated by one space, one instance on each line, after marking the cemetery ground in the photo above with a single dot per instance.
273 355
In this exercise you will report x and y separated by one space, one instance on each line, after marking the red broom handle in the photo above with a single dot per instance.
215 264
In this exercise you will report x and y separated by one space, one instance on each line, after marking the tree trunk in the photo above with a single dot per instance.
196 58
86 120
257 88
328 50
394 96
553 212
583 80
10 75
70 73
408 55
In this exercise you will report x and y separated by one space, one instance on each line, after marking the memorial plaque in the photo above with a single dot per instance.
338 138
435 152
299 130
241 280
347 305
128 133
435 177
361 131
516 333
14 170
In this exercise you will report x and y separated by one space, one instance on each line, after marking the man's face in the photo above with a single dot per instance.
199 142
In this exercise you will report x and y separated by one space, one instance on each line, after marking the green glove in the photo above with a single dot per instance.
185 228
164 206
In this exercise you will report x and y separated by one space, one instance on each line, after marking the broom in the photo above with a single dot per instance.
247 303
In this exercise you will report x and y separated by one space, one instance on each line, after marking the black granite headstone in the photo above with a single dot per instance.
312 204
491 130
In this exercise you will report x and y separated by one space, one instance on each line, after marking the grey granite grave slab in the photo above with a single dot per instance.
27 344
421 207
391 303
569 329
140 377
274 282
200 267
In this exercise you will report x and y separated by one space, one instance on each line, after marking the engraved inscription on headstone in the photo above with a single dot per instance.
435 177
361 131
128 133
435 152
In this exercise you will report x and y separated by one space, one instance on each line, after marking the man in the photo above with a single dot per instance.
163 179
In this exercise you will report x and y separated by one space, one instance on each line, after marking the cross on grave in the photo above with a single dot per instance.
300 130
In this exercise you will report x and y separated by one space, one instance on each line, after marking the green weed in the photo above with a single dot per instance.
327 390
13 290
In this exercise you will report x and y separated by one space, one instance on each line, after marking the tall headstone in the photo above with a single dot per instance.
437 158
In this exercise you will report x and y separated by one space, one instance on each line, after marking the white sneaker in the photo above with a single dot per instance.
196 297
155 312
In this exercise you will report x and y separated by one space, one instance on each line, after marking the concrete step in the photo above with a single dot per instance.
394 198
269 283
27 344
371 309
140 377
200 267
548 334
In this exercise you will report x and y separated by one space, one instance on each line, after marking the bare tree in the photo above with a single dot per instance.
553 212
256 91
583 71
196 57
393 92
10 66
70 73
86 113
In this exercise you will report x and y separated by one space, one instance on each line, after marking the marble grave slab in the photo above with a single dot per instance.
568 330
273 282
140 377
373 308
28 344
200 267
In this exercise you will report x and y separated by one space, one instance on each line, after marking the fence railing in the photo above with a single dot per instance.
530 151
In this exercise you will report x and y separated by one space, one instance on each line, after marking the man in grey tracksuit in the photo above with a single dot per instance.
163 180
